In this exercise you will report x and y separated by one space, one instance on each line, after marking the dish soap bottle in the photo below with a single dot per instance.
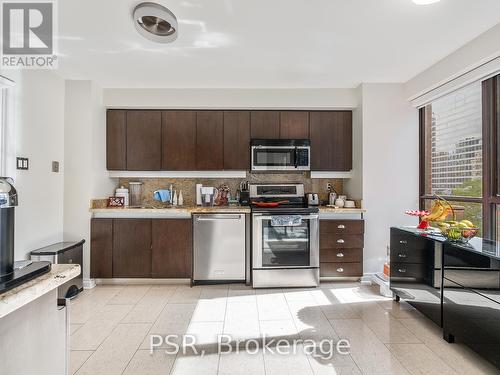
174 200
180 200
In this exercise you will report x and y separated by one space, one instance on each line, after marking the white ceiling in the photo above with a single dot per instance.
267 43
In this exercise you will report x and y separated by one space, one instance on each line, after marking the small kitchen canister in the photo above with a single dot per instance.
135 193
122 192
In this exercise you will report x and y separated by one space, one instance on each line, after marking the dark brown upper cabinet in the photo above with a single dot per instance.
265 124
294 125
209 140
132 248
331 141
179 140
116 140
237 140
143 140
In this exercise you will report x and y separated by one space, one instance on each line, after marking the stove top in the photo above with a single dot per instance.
290 210
23 275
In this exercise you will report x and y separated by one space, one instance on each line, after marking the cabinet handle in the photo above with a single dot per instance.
341 226
340 269
402 270
404 242
340 255
402 255
340 241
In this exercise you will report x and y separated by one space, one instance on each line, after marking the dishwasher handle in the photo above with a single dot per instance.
218 217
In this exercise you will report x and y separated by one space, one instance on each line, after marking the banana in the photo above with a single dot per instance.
437 211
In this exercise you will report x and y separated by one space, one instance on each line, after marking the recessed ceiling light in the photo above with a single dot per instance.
425 2
155 22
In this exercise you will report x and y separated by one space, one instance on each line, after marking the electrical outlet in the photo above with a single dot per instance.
22 163
55 166
329 186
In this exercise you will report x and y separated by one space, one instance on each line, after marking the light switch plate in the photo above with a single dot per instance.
55 166
22 163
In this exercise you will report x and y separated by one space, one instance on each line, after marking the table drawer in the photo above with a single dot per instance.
414 255
342 226
341 269
408 270
341 255
341 241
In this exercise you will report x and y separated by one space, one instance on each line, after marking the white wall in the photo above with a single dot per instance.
390 166
36 127
85 175
231 98
479 51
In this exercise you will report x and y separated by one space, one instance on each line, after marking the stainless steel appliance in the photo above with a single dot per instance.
64 253
12 275
219 248
312 199
280 154
285 238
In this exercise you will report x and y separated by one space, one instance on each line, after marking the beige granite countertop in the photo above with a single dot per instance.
341 210
22 295
171 212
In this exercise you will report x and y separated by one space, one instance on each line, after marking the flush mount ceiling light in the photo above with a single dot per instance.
155 22
425 2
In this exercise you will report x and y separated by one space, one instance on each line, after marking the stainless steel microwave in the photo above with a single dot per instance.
280 154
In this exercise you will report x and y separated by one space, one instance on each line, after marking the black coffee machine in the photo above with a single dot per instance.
12 274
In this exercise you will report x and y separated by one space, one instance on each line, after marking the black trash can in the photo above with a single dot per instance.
64 253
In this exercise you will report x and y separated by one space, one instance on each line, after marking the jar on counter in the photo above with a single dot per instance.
135 193
123 193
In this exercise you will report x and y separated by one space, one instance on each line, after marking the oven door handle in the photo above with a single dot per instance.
303 217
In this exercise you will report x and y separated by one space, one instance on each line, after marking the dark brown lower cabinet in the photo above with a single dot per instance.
132 248
171 256
101 248
141 248
341 248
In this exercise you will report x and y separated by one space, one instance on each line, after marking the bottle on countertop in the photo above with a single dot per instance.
174 200
171 194
180 200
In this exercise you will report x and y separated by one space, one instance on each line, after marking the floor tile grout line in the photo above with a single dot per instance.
78 369
223 326
297 329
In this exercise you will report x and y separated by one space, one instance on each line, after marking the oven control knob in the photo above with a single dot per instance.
340 269
340 255
341 226
340 241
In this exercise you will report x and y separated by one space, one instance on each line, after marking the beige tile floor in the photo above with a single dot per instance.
111 328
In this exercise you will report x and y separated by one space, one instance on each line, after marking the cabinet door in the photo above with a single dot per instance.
101 248
179 141
265 124
116 140
294 125
209 140
132 248
143 140
236 140
331 141
172 251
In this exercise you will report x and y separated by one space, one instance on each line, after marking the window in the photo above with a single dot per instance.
452 152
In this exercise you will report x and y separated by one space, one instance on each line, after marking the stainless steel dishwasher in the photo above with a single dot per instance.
219 247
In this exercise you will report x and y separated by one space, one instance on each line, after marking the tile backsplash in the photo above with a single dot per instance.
187 185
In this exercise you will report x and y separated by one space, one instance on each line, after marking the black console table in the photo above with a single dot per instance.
455 285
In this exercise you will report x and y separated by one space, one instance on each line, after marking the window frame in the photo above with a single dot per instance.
490 101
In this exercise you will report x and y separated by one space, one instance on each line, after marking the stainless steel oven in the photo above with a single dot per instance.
280 154
285 249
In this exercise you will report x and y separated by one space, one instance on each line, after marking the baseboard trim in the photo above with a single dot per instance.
340 279
367 279
89 283
132 281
